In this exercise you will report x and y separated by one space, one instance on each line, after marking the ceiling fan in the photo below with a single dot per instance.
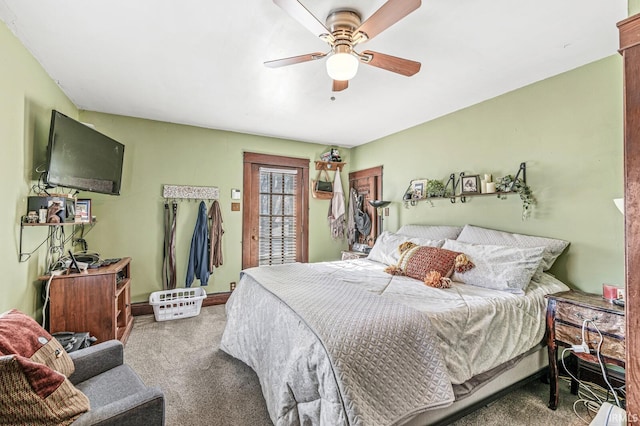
343 31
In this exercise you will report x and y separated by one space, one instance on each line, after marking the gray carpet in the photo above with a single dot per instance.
205 386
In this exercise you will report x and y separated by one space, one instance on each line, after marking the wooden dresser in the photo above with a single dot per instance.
566 314
98 301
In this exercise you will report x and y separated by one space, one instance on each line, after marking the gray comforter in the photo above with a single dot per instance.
331 353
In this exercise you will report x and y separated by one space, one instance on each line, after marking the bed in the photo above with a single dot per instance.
346 343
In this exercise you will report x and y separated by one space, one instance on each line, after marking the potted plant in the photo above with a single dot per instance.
509 184
435 188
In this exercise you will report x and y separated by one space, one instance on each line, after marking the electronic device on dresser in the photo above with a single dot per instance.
82 158
362 248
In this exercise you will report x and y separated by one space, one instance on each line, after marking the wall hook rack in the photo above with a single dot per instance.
188 192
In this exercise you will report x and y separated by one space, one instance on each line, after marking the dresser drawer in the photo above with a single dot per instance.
605 321
611 347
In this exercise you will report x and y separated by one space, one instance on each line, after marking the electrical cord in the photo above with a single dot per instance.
591 402
46 301
605 374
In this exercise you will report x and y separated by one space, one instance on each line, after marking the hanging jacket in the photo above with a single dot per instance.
215 236
199 254
337 210
352 231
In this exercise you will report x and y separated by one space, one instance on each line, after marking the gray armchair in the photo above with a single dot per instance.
116 393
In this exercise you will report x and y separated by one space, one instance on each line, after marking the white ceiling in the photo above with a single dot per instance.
200 62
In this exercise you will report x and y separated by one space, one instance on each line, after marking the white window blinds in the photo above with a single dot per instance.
277 230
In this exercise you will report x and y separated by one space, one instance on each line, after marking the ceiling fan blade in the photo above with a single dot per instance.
340 85
390 63
300 13
295 60
388 14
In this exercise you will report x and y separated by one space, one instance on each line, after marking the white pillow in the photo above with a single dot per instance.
497 267
477 235
385 250
431 232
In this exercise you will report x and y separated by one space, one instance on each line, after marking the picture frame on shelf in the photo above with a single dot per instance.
470 184
419 188
83 211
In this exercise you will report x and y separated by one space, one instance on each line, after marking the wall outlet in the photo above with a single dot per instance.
232 285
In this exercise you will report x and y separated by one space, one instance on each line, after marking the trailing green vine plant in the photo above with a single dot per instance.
435 188
508 184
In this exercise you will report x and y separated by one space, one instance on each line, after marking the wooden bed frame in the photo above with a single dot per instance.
531 367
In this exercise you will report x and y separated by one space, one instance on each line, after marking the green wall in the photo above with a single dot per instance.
568 130
158 153
27 96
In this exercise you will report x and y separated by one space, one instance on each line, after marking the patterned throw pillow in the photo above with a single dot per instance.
22 335
432 265
33 394
34 388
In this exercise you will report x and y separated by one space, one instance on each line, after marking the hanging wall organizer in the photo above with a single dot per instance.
187 192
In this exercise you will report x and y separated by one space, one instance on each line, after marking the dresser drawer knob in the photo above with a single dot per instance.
582 317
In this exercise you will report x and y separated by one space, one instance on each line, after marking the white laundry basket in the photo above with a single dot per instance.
177 303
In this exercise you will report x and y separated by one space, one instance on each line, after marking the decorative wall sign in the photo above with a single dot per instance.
191 192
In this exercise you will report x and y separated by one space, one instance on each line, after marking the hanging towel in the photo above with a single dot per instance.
337 210
352 232
199 253
215 236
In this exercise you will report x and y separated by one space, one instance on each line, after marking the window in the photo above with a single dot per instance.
277 228
275 210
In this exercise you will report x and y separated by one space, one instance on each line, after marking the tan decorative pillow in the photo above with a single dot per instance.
34 394
432 265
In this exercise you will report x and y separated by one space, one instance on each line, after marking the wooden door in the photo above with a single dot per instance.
630 50
368 184
275 226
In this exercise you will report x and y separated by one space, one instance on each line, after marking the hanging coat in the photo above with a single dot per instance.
337 210
199 254
215 236
352 231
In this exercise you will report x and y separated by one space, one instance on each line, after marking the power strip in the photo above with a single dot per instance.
582 348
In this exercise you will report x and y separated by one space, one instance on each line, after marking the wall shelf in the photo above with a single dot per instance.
329 165
452 189
23 257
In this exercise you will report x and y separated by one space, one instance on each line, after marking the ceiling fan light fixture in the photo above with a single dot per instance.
342 66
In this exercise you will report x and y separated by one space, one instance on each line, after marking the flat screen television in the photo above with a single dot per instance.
82 158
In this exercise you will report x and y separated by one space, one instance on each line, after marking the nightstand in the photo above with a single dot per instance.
566 313
348 255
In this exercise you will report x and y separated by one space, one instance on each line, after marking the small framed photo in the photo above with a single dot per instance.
83 211
470 184
419 188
